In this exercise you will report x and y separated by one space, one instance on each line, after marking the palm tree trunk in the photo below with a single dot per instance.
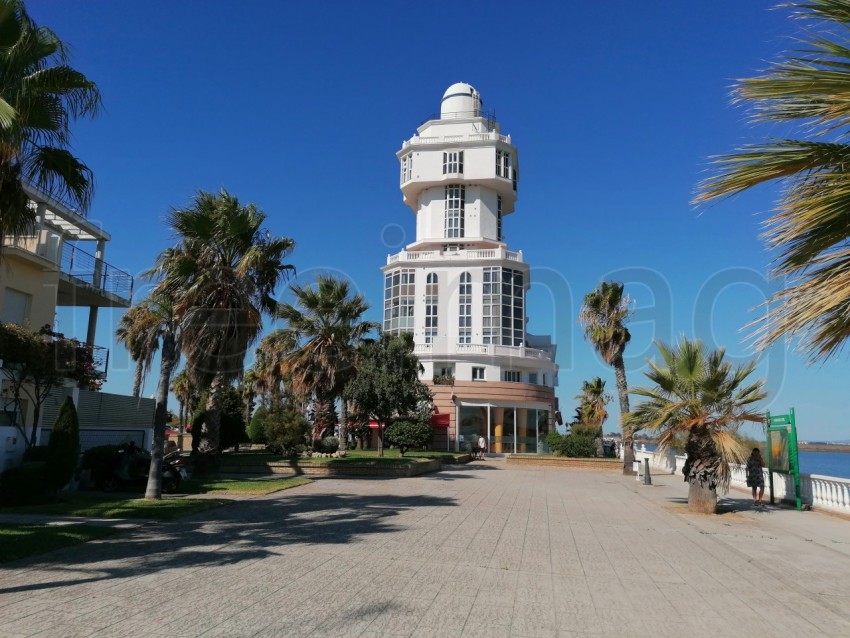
211 428
137 378
343 426
702 499
623 394
167 365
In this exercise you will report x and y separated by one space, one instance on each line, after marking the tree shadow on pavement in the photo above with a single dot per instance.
243 531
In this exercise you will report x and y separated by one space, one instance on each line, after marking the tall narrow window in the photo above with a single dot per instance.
399 301
455 210
506 165
499 164
431 305
491 310
499 218
464 314
452 162
406 168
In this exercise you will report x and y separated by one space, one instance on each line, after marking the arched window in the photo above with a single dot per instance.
464 314
431 303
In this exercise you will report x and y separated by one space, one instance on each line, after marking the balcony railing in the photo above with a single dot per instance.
482 349
455 139
430 255
97 273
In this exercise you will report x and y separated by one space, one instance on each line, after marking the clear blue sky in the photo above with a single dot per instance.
300 107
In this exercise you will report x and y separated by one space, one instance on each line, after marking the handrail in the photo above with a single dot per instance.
89 269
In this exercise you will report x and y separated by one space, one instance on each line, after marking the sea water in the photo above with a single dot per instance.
835 464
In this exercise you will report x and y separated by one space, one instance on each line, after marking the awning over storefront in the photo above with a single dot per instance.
440 420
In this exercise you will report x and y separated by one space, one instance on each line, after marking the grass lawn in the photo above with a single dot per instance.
228 486
101 506
20 541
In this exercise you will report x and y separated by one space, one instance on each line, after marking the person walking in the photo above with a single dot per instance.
755 475
482 446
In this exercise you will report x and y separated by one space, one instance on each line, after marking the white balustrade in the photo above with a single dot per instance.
439 255
828 493
455 139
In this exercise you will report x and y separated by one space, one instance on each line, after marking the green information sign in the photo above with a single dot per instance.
782 456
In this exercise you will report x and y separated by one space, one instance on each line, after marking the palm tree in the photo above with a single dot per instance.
167 330
40 95
809 232
603 315
222 274
269 366
700 396
134 331
592 401
181 386
326 324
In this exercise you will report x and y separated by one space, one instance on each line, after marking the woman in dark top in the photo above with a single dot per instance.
755 475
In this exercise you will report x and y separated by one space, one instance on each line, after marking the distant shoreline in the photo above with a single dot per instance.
823 447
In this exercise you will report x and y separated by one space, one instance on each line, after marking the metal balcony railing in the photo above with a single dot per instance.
96 272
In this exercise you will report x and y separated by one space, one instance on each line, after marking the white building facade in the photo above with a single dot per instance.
461 291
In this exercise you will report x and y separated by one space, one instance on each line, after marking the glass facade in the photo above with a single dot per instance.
508 430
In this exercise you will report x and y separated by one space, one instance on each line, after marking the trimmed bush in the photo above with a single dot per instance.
63 449
26 484
408 434
37 454
572 445
257 426
329 444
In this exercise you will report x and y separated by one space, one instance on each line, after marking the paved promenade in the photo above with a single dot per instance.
478 550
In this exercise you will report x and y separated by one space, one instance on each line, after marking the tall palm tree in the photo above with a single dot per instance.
809 232
701 396
167 330
40 95
326 324
134 331
222 274
603 315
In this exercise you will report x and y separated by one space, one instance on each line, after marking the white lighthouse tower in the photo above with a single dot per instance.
461 292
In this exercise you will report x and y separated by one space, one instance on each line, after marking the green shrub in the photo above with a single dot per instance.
286 429
63 449
408 434
26 484
37 454
590 431
99 461
329 444
571 445
257 426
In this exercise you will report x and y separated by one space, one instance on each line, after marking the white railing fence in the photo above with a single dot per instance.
821 492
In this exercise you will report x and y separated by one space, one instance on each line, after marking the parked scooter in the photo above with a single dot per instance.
173 472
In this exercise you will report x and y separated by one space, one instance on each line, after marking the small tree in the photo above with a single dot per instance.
386 384
63 449
34 364
257 426
286 428
409 434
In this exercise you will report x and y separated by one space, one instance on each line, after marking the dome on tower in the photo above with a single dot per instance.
460 100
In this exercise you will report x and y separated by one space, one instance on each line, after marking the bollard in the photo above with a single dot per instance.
647 479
